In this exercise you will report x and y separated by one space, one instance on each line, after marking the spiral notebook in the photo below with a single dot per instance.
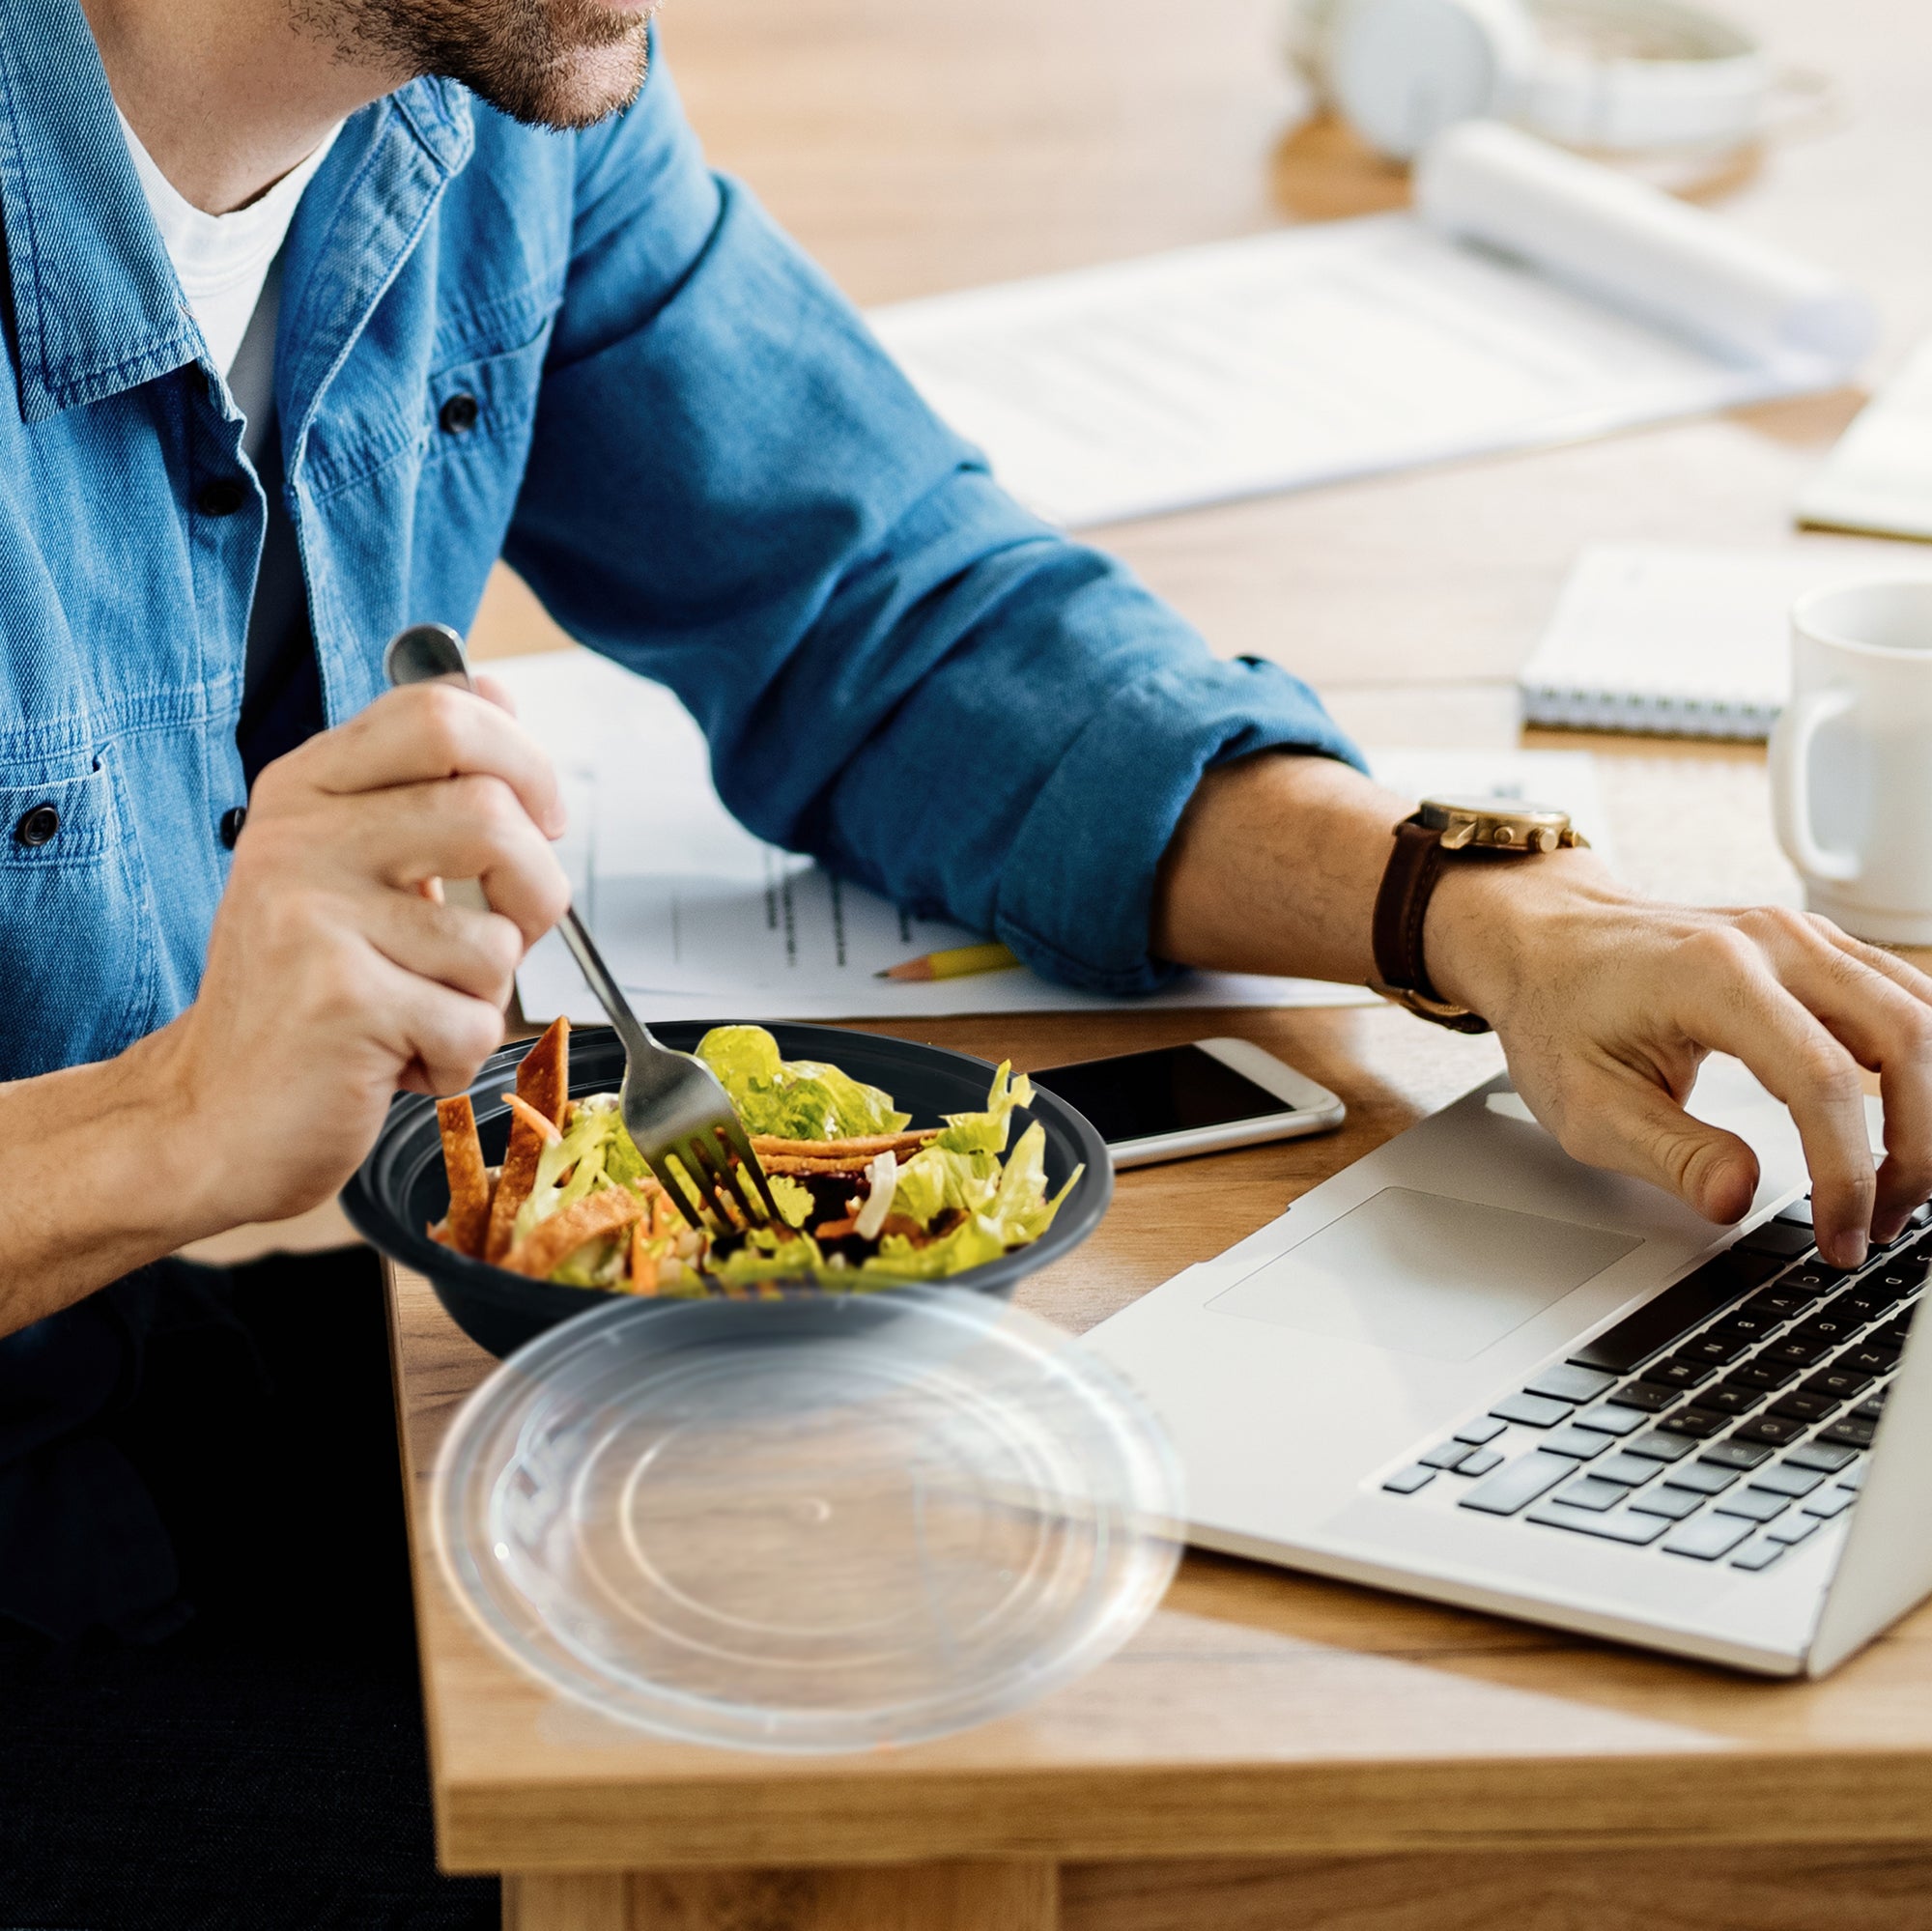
1683 642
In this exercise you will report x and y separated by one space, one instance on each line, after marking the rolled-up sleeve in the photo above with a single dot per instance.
733 491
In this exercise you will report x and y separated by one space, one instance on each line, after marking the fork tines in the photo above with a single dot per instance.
711 1167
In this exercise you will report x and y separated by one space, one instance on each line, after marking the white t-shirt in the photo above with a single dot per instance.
228 266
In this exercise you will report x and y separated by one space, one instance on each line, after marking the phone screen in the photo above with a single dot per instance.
1173 1090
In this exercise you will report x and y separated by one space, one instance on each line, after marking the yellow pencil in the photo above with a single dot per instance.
959 963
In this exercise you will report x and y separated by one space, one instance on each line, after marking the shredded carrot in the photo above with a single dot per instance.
643 1262
543 1128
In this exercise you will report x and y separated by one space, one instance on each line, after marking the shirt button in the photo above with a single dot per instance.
222 496
232 821
38 824
458 415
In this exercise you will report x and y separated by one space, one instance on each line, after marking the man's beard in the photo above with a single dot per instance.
552 63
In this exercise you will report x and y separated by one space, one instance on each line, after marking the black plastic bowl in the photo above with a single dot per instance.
400 1189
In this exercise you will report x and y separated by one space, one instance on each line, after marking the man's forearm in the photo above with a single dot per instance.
1274 868
97 1180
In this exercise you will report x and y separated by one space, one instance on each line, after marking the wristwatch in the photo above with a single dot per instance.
1449 830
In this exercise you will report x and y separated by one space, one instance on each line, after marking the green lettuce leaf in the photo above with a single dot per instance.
1013 1211
794 1198
768 1254
986 1132
935 1179
797 1099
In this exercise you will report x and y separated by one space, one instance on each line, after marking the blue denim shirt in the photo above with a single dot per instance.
687 443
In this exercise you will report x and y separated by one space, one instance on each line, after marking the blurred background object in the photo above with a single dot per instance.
1609 77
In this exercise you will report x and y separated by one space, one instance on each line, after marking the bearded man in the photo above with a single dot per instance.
314 309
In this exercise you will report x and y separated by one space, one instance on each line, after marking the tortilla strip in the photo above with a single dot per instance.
866 1147
469 1219
543 1080
786 1163
603 1211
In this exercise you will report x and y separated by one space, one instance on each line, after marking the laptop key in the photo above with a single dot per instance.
1656 1324
1632 1471
1817 1276
1479 1461
1798 1349
1780 1300
1590 1493
1757 1505
1518 1484
1704 1475
1833 1502
1802 1405
1708 1537
1758 1373
1871 1407
1719 1345
1449 1456
1850 1431
1729 1400
1830 1324
1651 1398
1870 1357
1700 1424
1759 1555
1794 1529
1670 1502
1480 1432
1841 1384
1580 1443
1532 1410
1823 1454
1751 1323
1566 1382
1682 1371
1736 1454
1853 1478
1607 1418
1773 1431
1781 1237
1621 1528
1781 1479
1409 1480
1657 1447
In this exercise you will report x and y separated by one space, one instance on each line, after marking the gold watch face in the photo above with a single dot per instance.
1498 824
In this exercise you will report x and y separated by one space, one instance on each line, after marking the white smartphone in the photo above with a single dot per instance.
1199 1098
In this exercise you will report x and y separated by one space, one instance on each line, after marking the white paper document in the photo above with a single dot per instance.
1532 298
1879 478
1684 641
701 920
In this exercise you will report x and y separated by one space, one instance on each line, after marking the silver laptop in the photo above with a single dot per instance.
1471 1368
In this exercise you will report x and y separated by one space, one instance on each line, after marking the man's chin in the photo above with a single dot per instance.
588 85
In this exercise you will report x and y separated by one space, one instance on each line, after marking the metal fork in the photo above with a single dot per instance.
673 1103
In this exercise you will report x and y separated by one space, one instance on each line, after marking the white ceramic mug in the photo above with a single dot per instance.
1850 760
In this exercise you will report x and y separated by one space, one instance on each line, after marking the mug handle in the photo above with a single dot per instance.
1791 785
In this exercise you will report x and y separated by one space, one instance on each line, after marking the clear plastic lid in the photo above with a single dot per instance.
817 1525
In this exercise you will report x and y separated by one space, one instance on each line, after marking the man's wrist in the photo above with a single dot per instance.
1492 927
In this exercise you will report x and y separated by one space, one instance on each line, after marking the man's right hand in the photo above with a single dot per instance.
336 974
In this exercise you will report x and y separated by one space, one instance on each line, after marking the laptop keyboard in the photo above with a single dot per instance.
1725 1420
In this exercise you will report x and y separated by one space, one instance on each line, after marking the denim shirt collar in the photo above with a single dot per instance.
97 308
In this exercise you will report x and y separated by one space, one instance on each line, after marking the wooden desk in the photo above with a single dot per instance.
1272 1751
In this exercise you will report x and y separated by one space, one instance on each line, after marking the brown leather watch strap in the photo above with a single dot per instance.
1401 906
1403 903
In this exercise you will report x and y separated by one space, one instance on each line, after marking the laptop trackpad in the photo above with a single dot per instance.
1418 1273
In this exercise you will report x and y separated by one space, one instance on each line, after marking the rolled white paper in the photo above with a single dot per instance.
1632 244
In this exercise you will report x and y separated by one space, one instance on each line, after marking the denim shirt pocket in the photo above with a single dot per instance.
482 401
77 941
